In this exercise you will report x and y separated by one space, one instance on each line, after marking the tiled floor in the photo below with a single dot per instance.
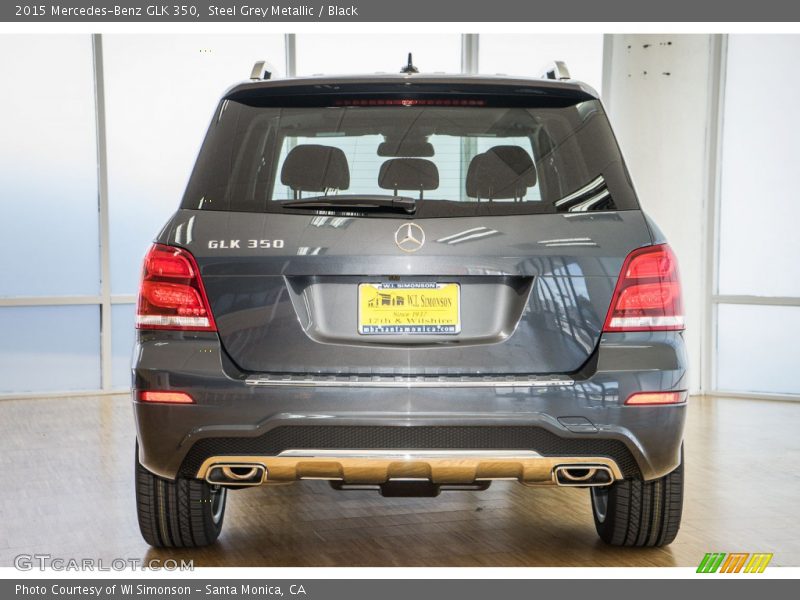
67 467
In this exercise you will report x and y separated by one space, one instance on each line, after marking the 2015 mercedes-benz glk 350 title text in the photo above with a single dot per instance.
414 283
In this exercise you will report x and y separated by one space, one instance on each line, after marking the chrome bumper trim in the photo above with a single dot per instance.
408 382
410 454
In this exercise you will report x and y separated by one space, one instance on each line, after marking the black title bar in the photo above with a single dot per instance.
147 11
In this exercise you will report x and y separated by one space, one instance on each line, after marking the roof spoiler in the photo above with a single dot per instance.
263 70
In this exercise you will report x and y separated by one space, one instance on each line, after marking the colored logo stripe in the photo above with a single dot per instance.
734 563
757 563
717 561
711 562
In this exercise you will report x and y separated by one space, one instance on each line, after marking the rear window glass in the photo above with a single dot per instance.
364 162
447 160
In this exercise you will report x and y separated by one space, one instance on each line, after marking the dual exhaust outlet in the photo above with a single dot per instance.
253 474
237 474
583 476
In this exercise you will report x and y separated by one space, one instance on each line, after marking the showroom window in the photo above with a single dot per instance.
758 287
50 274
49 174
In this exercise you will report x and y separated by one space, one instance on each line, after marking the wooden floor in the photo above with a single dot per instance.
67 467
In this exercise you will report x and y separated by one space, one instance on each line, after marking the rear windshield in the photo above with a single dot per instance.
454 157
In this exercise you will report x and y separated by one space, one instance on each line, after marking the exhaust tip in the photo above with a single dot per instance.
583 475
236 474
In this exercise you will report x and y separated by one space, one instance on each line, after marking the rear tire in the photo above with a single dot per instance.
185 513
639 513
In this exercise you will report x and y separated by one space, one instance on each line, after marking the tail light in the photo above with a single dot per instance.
171 295
648 293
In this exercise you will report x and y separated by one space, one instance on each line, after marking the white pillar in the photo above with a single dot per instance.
659 97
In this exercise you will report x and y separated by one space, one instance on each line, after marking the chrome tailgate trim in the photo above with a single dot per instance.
391 381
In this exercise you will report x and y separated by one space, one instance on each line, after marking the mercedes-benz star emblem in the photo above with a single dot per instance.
409 237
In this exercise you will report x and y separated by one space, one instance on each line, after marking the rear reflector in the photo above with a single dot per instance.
648 293
655 398
171 295
166 397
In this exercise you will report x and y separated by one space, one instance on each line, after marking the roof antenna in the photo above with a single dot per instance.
409 68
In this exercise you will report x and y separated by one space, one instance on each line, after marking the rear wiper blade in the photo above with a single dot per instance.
355 203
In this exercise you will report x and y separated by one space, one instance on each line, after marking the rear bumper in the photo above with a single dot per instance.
576 417
378 467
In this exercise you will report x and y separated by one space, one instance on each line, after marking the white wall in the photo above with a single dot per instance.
336 53
657 96
758 214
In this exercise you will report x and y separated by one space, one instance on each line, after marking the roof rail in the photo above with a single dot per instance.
262 70
557 70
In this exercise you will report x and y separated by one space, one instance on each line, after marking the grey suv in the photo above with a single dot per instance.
411 283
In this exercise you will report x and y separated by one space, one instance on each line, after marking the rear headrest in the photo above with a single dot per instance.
315 168
408 174
500 173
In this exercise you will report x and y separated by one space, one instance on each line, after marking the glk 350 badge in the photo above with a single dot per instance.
238 244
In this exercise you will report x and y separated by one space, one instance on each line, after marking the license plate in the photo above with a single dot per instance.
409 308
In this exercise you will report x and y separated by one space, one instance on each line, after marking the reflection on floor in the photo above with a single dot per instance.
67 467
